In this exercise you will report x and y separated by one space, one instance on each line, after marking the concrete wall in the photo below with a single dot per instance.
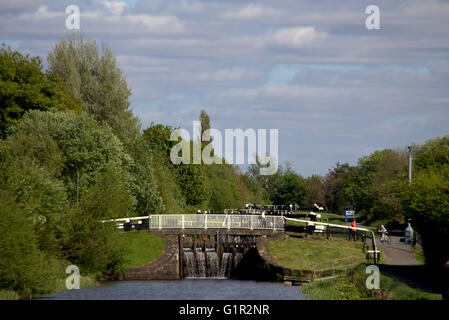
257 265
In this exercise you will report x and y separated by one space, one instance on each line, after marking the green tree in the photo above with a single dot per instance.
83 145
94 78
315 192
23 267
426 202
41 197
95 246
24 86
426 199
144 187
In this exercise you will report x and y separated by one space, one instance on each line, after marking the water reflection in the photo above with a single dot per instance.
186 289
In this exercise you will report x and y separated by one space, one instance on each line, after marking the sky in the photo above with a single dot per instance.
334 89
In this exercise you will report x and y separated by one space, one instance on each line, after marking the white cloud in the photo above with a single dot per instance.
251 11
153 23
294 37
115 7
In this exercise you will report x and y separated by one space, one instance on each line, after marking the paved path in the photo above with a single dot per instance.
401 264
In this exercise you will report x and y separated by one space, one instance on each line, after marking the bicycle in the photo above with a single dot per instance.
385 239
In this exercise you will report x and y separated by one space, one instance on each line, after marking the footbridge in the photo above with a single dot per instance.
214 245
203 223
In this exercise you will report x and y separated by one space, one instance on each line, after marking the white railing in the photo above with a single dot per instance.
215 221
207 221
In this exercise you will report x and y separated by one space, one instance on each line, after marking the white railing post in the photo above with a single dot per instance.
228 222
182 222
251 222
160 222
205 221
274 223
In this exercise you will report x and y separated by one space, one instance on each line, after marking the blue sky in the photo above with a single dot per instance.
334 90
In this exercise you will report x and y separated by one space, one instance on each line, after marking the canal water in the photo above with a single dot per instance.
186 289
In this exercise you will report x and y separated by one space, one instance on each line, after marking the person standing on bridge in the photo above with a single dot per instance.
263 219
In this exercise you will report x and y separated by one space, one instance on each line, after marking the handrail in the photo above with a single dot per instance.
205 221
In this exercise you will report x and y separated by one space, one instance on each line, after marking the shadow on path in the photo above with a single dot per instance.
402 265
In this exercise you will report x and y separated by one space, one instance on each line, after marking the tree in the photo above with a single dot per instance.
80 143
94 78
23 267
315 192
205 125
426 202
24 86
144 187
94 245
426 199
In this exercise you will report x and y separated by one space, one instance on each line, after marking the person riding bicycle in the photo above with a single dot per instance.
383 231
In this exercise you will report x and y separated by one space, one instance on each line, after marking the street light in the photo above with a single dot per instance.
410 164
77 182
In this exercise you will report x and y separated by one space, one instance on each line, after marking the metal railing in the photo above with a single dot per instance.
206 221
375 251
320 269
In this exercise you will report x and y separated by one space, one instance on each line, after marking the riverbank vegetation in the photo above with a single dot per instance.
352 286
72 153
310 254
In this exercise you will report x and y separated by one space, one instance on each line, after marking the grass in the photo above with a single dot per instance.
142 247
8 295
352 287
299 253
419 254
85 282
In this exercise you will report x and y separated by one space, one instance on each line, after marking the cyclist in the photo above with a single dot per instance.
382 230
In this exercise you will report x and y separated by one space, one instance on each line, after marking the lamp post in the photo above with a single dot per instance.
77 182
409 164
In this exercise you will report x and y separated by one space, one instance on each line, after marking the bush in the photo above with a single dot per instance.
93 245
23 267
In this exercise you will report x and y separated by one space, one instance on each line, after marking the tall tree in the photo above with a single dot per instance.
93 77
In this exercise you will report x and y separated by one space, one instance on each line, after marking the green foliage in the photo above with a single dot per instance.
173 200
256 193
96 247
223 192
373 187
82 144
315 191
190 178
23 267
24 86
144 187
352 287
41 197
335 182
426 202
94 78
